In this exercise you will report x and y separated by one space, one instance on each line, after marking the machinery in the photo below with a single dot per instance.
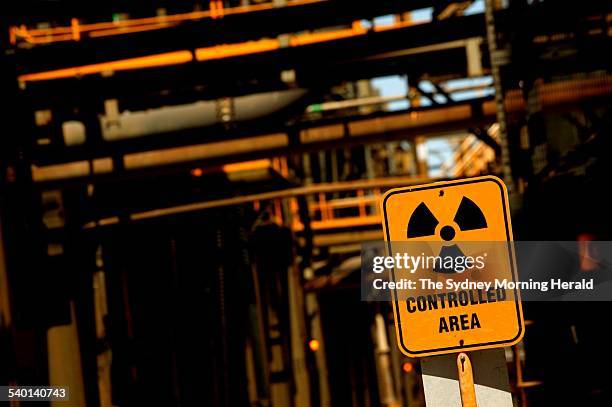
186 185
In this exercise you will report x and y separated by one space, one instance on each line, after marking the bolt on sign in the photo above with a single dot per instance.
449 308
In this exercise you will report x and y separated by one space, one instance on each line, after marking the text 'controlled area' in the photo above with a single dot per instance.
451 227
458 299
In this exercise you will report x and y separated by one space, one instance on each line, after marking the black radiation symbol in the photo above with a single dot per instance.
423 223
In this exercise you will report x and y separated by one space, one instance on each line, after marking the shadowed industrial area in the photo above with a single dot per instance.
186 187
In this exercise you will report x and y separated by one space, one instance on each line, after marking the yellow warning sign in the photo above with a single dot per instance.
445 225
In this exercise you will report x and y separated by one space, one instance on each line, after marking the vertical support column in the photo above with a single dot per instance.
369 162
298 338
498 58
6 368
258 345
65 361
316 332
383 364
390 147
420 156
5 305
104 359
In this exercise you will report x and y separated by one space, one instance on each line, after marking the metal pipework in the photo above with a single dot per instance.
167 119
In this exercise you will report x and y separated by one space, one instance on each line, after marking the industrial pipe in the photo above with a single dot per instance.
167 119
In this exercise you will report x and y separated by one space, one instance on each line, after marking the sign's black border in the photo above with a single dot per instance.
511 258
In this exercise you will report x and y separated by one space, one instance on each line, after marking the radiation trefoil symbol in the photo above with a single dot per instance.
423 223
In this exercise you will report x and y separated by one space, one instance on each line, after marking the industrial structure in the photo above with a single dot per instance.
186 187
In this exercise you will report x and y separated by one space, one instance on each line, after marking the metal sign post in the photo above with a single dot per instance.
466 381
487 386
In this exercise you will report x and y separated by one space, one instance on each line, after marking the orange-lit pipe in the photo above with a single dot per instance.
201 54
247 165
234 50
123 30
216 11
314 38
150 61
